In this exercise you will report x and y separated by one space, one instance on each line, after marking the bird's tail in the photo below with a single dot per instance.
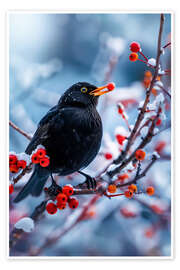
34 185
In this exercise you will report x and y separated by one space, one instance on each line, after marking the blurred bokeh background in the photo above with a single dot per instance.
47 54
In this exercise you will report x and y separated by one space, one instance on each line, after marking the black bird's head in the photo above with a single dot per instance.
83 94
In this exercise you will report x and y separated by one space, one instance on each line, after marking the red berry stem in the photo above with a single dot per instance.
143 56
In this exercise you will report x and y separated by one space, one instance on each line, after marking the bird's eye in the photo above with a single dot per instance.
84 89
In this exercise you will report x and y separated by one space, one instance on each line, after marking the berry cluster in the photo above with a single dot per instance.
18 162
39 156
132 189
62 199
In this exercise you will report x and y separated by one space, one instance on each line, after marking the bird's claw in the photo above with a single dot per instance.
90 182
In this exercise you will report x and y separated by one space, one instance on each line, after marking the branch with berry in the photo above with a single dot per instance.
121 173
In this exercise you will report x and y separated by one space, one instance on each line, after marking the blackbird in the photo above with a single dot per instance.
71 133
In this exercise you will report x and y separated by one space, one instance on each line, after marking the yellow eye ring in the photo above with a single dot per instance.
84 89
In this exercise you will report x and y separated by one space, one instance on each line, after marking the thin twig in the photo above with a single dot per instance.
25 134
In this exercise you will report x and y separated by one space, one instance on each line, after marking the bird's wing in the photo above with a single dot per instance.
41 133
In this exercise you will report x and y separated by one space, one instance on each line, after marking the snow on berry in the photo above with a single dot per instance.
121 134
151 62
26 224
25 157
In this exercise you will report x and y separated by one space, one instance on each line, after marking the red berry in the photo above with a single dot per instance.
110 86
123 176
44 162
11 189
133 57
140 154
68 190
12 159
51 208
73 203
108 156
61 198
41 152
158 122
120 139
61 206
120 110
21 164
135 47
160 146
13 168
35 159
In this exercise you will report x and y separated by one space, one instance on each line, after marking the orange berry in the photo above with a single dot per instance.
128 194
61 198
150 190
133 187
133 57
154 92
140 154
148 73
112 188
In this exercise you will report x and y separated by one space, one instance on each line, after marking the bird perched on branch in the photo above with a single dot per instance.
71 133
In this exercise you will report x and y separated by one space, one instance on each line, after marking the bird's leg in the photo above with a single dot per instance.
54 189
90 181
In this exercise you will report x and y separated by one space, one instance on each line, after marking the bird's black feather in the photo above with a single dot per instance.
71 133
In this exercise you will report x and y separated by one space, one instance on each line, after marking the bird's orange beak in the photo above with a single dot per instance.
98 91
